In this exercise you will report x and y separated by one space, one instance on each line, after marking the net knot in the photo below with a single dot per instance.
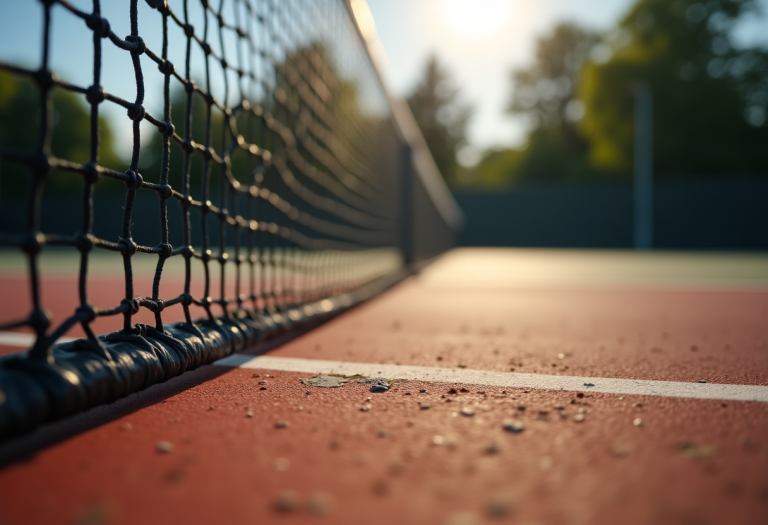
140 45
40 320
210 99
136 112
186 299
99 25
45 79
189 30
33 243
207 153
164 250
84 242
224 63
86 313
165 191
160 5
127 246
90 173
187 146
206 48
189 86
166 67
185 202
206 256
132 305
154 305
167 129
187 252
135 180
95 94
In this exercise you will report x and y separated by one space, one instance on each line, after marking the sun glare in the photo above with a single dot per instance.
476 18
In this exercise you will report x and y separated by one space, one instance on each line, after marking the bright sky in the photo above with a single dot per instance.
481 41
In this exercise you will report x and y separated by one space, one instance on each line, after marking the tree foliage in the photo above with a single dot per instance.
441 115
710 96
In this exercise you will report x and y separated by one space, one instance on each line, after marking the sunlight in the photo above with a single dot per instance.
476 18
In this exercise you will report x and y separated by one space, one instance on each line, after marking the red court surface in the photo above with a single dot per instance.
236 445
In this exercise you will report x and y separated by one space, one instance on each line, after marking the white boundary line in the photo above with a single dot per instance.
24 340
504 379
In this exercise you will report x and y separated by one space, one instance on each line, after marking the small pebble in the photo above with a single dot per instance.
320 504
263 382
166 447
466 411
249 414
382 433
513 426
499 506
263 388
281 424
563 414
578 418
637 422
561 356
463 390
701 381
422 391
438 440
452 391
424 407
287 501
365 408
481 392
127 427
281 464
491 448
559 407
379 389
589 384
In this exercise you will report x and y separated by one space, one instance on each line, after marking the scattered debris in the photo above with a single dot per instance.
692 451
491 448
619 451
521 407
424 406
559 407
466 411
589 384
281 424
320 504
249 414
422 391
255 375
381 487
561 356
287 501
379 389
464 518
165 447
637 422
126 427
463 390
513 426
281 464
499 506
263 382
580 395
462 366
452 391
578 418
325 381
701 381
481 392
382 433
563 414
365 408
438 440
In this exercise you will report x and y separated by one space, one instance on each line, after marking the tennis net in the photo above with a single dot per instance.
288 187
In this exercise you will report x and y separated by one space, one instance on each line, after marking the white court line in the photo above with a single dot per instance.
24 340
504 379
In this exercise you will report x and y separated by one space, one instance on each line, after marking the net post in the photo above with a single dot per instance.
406 204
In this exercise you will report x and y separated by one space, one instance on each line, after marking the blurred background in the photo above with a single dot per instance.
529 110
532 111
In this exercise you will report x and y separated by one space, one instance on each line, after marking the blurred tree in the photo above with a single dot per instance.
710 96
441 116
544 91
70 140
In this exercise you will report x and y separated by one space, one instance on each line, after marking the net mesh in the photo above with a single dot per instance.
278 156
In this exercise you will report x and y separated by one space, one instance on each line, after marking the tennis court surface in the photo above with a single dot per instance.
590 387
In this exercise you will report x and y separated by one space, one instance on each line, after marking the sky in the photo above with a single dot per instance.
480 52
480 46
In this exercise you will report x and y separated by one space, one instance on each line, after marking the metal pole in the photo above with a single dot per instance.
643 194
